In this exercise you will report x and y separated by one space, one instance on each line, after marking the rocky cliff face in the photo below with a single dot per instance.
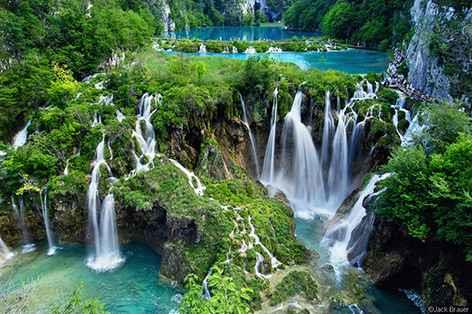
437 271
169 25
439 55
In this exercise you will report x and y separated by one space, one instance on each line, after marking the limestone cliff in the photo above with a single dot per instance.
439 55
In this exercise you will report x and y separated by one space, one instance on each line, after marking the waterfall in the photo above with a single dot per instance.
202 49
414 126
356 136
206 290
5 253
339 171
105 234
193 180
251 136
43 196
339 237
120 116
399 106
27 245
20 138
314 186
300 176
250 50
328 127
268 168
97 120
145 137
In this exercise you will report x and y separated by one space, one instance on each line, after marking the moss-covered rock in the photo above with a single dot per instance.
295 283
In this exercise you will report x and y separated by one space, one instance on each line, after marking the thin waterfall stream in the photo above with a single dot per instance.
19 211
5 253
43 195
251 136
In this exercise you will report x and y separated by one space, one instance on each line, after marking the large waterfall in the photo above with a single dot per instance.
44 211
144 133
314 184
106 254
300 176
251 136
339 236
5 253
27 245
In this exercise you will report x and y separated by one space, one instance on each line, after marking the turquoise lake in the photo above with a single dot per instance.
249 33
354 61
132 288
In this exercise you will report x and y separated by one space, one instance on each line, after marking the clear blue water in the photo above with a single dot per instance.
310 233
132 288
249 33
354 61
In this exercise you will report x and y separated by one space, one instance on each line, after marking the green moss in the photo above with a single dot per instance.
295 283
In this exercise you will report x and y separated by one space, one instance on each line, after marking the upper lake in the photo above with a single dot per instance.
249 33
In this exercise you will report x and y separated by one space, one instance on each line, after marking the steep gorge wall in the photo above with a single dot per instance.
439 55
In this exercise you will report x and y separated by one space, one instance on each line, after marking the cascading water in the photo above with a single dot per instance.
27 245
312 186
5 253
120 116
268 168
251 136
20 138
193 180
328 129
339 171
43 195
339 237
105 234
144 133
300 177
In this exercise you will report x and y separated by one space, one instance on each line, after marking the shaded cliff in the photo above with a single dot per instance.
439 55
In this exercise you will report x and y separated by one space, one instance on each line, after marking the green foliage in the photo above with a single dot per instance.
227 296
295 283
339 20
431 196
76 304
404 197
377 23
306 14
444 124
23 88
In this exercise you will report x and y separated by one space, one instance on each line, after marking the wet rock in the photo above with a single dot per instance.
212 163
436 270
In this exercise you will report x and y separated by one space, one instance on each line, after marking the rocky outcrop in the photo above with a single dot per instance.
437 271
439 53
169 24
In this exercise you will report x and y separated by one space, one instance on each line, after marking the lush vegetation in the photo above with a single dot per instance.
195 13
299 45
376 23
197 94
295 283
77 304
430 189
